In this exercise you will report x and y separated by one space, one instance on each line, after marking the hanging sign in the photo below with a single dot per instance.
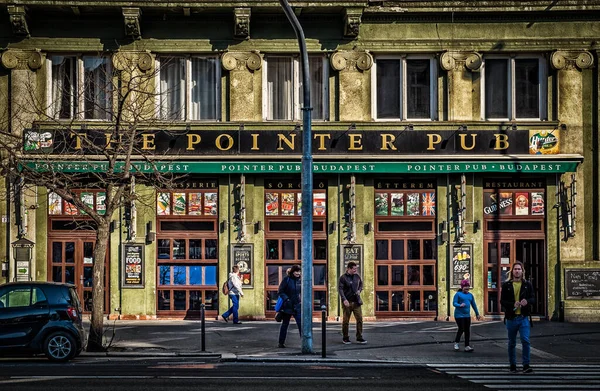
462 265
242 256
133 265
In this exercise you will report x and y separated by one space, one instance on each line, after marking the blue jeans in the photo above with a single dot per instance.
521 325
235 305
285 323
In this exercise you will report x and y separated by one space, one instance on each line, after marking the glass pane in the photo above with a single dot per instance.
272 249
287 204
70 252
273 276
195 300
205 89
57 252
195 275
87 300
418 89
179 300
57 274
397 301
164 275
54 204
318 82
381 204
492 277
428 204
319 298
212 299
195 249
287 247
505 254
210 204
97 87
164 300
430 301
397 249
382 301
493 253
101 203
397 202
414 249
397 275
319 204
179 249
492 303
271 204
429 249
382 275
164 249
210 275
412 204
381 249
414 301
319 274
172 88
194 204
504 275
280 88
496 88
87 276
527 88
179 277
63 86
70 274
388 89
88 252
271 300
428 275
210 249
320 248
163 204
414 275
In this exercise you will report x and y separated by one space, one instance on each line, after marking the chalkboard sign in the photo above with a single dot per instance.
582 283
462 265
242 256
351 252
133 265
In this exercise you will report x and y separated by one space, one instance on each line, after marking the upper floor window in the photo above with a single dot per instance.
405 88
80 87
515 88
283 98
189 88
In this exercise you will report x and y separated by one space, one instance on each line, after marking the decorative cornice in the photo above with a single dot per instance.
352 19
131 16
241 60
22 59
241 23
351 60
129 60
451 60
18 21
571 59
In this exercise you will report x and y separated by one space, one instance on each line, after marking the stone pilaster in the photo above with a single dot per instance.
136 70
244 85
459 67
354 69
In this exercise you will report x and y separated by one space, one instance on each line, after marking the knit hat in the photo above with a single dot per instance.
465 284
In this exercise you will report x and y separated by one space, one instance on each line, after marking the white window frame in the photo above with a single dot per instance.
187 112
78 90
433 93
298 92
543 88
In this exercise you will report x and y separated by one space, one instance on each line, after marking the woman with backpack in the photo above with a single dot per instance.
290 291
463 301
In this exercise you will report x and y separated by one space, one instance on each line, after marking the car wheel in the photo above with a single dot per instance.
60 346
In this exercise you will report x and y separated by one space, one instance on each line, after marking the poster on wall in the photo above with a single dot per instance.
544 142
462 265
242 256
354 253
133 265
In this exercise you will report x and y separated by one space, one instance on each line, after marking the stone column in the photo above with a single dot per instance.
137 73
354 69
462 102
245 85
569 66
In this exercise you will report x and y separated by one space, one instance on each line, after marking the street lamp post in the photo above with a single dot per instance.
307 186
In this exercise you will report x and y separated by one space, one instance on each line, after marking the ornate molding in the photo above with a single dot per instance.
241 60
18 21
131 16
22 59
351 60
454 60
352 20
130 60
241 23
563 59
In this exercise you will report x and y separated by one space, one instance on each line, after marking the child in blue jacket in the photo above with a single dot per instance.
463 301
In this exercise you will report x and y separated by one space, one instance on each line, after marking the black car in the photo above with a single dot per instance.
40 317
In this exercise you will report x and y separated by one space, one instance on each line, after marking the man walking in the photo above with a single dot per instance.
516 298
235 292
349 288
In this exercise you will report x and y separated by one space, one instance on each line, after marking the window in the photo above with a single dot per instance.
515 88
23 297
283 96
189 88
405 88
80 87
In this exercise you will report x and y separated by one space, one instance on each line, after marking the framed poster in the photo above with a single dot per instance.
133 265
242 255
354 253
462 265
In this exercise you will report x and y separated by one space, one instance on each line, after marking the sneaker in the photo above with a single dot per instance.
361 341
456 347
346 341
281 346
513 368
469 349
527 369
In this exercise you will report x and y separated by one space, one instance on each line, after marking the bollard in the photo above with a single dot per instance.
324 330
202 327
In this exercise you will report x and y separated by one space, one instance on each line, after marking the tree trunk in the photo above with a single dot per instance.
95 338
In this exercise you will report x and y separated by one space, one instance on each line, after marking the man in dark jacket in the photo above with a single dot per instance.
516 299
290 291
349 289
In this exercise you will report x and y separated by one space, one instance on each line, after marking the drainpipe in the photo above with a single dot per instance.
307 186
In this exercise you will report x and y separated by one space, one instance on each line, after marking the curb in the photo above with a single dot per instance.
150 354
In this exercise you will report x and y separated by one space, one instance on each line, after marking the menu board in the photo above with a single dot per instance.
242 256
352 252
462 265
582 283
133 265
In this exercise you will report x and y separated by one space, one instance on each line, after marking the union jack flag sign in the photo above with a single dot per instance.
428 204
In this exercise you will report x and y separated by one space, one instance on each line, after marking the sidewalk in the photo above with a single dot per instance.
408 342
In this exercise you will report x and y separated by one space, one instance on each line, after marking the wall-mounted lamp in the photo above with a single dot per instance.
443 231
258 226
111 226
223 226
463 128
150 236
476 226
332 227
368 228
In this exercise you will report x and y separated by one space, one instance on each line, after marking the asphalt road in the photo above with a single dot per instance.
176 374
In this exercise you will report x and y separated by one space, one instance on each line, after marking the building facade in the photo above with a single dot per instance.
451 139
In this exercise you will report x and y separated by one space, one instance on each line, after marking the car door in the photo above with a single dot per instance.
23 313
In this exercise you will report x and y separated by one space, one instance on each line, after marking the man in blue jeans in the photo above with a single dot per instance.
235 292
517 298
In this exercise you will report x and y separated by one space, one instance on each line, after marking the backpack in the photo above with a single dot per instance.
225 288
